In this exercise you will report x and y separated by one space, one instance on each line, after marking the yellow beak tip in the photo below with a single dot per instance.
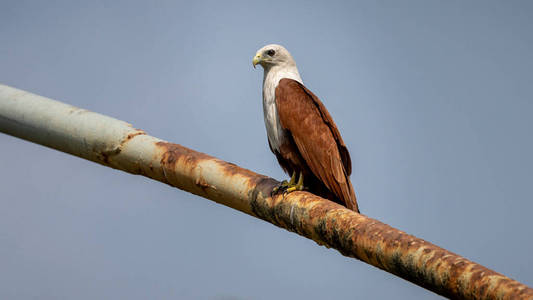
256 61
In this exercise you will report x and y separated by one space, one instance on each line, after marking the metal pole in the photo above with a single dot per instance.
117 144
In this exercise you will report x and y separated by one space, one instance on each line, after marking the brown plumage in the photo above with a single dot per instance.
301 132
316 147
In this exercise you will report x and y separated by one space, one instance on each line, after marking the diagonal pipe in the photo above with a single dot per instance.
118 145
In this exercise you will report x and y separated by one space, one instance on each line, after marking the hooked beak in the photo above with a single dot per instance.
256 60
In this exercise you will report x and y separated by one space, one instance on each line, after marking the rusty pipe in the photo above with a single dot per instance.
117 144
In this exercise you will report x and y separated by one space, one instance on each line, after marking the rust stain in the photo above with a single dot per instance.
132 135
174 153
327 223
352 234
413 259
106 155
204 185
190 160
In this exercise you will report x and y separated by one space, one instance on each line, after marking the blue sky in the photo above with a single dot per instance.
433 99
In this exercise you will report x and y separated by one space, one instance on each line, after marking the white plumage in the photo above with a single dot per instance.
271 78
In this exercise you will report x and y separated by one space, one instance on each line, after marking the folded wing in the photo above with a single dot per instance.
317 138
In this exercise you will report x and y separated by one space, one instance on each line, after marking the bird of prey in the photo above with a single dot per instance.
301 132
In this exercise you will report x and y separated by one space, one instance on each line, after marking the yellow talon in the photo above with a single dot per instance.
284 184
291 185
293 179
291 189
295 186
300 183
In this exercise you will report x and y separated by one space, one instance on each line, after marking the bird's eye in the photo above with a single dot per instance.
271 52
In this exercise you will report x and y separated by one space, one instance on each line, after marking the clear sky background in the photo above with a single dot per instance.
433 98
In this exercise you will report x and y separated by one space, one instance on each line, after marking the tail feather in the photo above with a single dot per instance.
348 195
342 192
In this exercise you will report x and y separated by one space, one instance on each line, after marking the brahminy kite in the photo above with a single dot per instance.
301 132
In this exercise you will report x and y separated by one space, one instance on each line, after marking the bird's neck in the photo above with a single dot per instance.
274 74
276 134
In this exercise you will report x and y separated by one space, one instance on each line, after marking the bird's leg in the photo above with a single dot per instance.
299 186
284 185
293 179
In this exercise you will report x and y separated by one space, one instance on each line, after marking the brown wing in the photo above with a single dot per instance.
317 138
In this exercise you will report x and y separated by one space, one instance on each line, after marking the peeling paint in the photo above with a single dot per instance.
329 224
413 259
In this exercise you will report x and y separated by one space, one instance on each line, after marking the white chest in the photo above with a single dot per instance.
276 134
